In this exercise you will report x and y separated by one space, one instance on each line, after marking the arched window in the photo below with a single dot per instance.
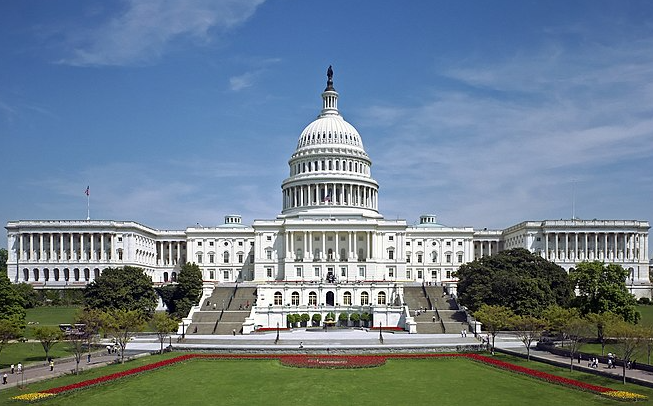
36 274
278 299
25 274
56 274
365 299
87 274
300 255
294 298
173 278
225 255
381 298
66 274
46 274
76 274
165 276
312 299
96 273
346 298
343 254
434 256
330 254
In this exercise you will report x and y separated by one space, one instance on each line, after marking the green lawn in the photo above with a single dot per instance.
647 314
48 316
251 382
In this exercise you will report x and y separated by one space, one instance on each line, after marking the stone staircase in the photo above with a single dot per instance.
447 319
224 311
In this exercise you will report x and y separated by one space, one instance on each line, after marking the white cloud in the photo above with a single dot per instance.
145 29
506 145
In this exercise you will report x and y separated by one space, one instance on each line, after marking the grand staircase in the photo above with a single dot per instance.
434 311
224 311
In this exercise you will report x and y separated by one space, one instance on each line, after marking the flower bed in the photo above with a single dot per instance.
341 361
333 361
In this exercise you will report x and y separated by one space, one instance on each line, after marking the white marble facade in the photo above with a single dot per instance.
329 231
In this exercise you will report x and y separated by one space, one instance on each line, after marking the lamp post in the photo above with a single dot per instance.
381 332
276 340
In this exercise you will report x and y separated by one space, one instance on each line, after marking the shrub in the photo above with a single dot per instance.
317 318
644 301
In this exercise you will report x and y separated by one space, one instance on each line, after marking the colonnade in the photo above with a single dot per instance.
169 252
606 246
339 194
301 245
35 247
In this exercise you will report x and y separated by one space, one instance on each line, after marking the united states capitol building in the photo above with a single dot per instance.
330 248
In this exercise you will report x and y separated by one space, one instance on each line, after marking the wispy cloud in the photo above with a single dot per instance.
257 67
146 28
505 146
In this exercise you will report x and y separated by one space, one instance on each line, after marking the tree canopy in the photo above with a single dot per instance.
186 293
12 306
127 288
518 279
602 288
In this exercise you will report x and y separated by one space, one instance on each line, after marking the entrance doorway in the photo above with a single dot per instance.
330 299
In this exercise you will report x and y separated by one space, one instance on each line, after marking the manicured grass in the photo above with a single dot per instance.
30 352
48 316
408 381
647 314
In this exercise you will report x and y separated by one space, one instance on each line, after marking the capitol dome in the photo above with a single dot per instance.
330 170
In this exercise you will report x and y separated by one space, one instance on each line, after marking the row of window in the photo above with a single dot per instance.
330 165
226 243
381 298
225 257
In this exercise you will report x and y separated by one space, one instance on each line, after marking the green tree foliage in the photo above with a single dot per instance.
48 336
9 330
127 288
11 303
529 329
121 325
30 297
602 323
516 278
316 319
557 316
494 318
188 290
629 338
4 256
576 329
163 325
602 288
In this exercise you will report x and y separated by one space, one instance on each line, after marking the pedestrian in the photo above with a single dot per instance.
580 358
433 319
4 379
13 368
19 368
109 349
51 365
88 358
233 331
301 344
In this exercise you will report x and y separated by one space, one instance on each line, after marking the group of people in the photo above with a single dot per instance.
14 369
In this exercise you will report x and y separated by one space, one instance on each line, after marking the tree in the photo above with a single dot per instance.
576 329
92 320
343 318
48 336
11 303
77 342
163 324
127 288
602 288
9 330
557 317
188 289
121 325
629 337
29 295
494 319
305 318
355 317
602 322
317 318
518 279
529 329
4 256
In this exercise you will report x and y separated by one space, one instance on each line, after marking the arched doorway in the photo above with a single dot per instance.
330 299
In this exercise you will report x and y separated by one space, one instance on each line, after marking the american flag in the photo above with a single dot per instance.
327 198
88 191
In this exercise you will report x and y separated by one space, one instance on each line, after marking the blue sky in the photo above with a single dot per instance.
178 112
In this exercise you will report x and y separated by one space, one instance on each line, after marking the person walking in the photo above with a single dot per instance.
51 365
4 379
13 369
19 368
88 358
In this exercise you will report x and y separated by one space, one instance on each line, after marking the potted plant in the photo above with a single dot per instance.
365 318
317 318
343 318
290 320
355 318
305 319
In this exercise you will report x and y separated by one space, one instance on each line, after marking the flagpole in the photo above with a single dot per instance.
88 203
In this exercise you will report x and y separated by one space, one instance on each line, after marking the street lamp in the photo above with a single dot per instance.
381 332
276 340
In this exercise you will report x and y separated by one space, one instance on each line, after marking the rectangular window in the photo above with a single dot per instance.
448 257
120 239
211 275
448 274
391 272
407 242
361 271
419 274
240 243
419 243
251 258
269 272
391 238
268 254
343 271
317 271
211 243
408 273
299 271
226 275
420 258
460 243
199 243
211 258
434 274
240 258
449 243
460 258
407 258
391 254
269 238
199 258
